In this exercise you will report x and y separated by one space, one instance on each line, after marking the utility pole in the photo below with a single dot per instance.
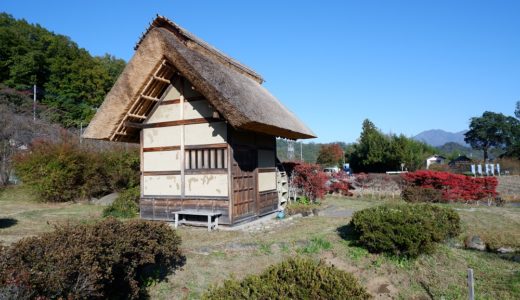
34 103
301 151
80 132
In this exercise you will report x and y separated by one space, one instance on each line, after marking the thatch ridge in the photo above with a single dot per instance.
238 97
187 37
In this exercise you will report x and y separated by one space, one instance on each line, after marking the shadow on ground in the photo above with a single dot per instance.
347 233
152 274
7 222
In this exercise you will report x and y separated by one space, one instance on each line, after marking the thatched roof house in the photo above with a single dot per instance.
232 88
206 126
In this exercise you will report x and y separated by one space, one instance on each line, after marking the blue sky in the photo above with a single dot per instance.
408 66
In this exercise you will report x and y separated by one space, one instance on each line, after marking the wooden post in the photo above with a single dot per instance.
471 285
34 103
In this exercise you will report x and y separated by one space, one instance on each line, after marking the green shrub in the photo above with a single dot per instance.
404 229
126 204
416 194
109 259
65 171
121 167
293 279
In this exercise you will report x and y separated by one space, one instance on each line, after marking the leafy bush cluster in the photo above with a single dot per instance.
404 229
64 171
311 180
293 279
453 187
110 259
301 206
126 204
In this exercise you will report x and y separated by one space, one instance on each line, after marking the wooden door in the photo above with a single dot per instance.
244 182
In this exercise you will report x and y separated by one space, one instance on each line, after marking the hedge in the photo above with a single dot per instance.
65 171
453 187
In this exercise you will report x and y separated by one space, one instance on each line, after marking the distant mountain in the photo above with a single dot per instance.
439 137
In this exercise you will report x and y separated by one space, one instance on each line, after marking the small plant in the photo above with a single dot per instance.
404 229
125 205
301 208
265 249
357 253
316 245
292 279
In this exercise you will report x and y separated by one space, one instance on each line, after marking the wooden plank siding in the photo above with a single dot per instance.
163 209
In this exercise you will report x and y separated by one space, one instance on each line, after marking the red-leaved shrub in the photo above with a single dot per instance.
311 180
454 187
339 184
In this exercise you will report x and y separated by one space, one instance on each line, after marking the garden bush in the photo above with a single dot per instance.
416 194
126 204
109 259
65 171
454 187
293 279
404 229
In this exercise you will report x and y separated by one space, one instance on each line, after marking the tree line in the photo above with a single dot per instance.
71 82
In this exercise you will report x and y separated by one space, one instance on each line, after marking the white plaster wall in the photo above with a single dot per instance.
162 161
206 185
207 133
197 109
266 159
162 185
266 181
162 136
165 113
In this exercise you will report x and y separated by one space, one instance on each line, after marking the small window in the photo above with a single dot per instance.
206 159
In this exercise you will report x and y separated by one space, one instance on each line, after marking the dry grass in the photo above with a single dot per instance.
21 215
213 257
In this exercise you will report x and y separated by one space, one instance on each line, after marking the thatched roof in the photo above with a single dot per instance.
233 89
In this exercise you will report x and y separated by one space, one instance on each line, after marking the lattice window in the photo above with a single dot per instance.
206 159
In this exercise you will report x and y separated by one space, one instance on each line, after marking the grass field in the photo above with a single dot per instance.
213 257
22 215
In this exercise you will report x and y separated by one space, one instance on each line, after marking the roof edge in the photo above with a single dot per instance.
186 36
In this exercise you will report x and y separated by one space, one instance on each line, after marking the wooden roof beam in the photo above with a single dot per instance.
164 80
150 98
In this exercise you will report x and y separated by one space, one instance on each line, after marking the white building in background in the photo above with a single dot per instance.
435 159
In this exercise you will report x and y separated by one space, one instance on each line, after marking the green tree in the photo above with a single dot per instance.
370 153
377 152
492 130
517 110
411 153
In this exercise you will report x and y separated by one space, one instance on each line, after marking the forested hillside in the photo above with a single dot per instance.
71 83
